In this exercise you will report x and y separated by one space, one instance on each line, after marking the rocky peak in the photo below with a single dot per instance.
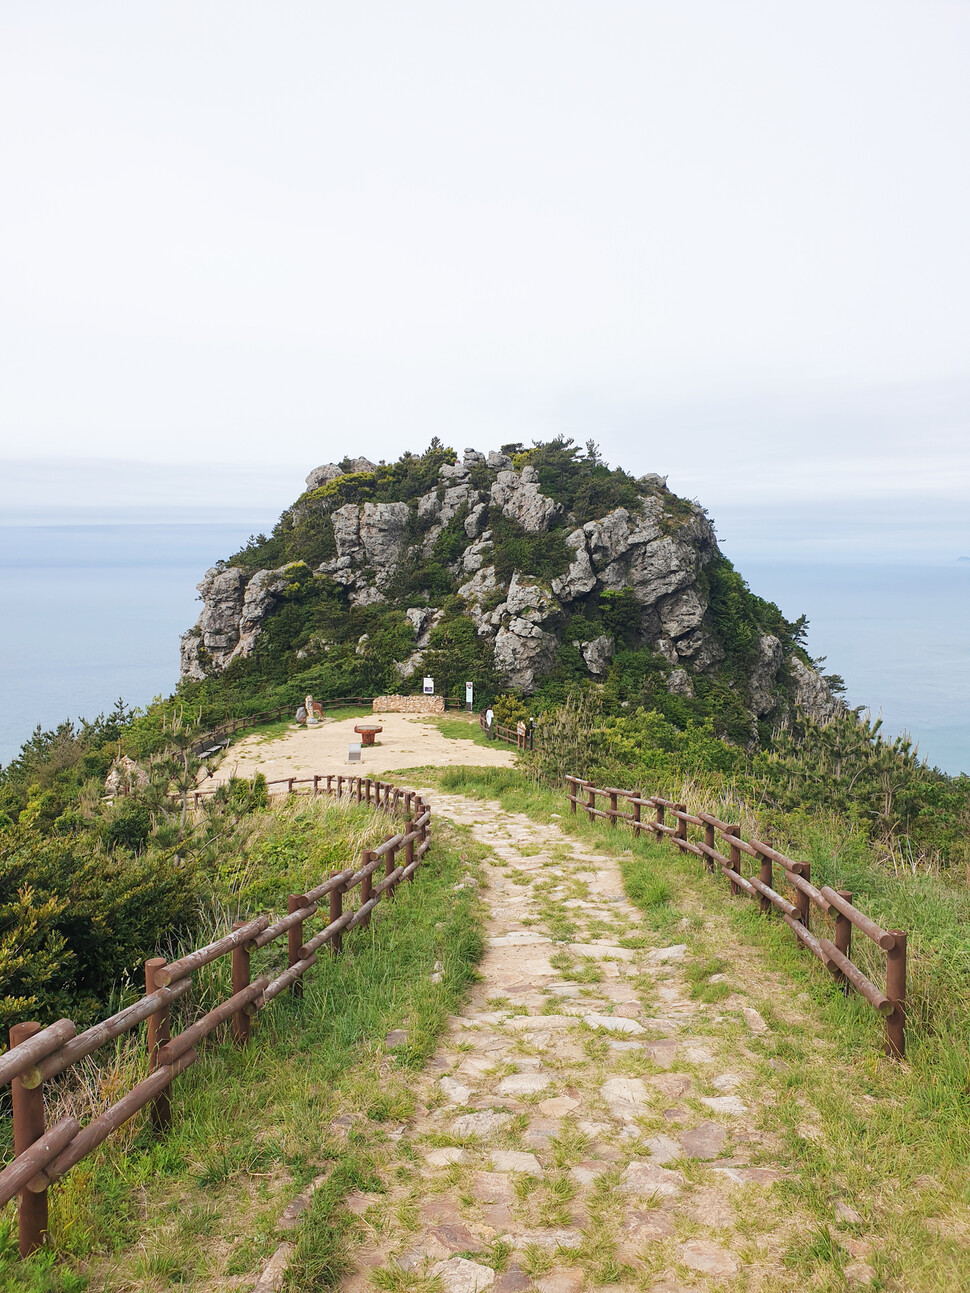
562 559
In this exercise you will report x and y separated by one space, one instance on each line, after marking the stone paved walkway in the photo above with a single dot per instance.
585 1123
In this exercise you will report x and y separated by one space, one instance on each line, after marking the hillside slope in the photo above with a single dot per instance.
521 569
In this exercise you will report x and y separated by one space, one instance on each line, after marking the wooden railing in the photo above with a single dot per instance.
44 1154
364 790
835 953
522 736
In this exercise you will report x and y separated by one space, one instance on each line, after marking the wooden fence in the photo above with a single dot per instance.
522 736
44 1154
835 954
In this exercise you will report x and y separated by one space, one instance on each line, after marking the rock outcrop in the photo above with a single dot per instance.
653 554
236 605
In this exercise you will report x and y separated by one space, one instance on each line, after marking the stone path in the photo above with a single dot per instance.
585 1123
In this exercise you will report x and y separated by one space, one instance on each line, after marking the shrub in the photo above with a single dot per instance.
509 710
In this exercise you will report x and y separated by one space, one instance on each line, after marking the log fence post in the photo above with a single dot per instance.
336 911
802 900
896 992
767 878
366 885
681 832
389 870
316 785
710 841
294 937
637 824
409 845
590 802
614 801
843 938
734 865
29 1124
660 819
240 980
159 1032
289 785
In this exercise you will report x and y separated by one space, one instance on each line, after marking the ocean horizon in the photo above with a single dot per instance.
99 609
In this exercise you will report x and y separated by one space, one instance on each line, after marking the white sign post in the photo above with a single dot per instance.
469 696
429 686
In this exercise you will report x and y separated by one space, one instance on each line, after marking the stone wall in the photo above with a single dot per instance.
409 705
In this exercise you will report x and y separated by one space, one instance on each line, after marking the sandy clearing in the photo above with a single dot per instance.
407 741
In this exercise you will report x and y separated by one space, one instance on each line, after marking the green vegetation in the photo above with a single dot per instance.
842 779
582 483
252 1128
91 886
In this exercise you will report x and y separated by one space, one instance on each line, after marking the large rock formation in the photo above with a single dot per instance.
235 606
656 549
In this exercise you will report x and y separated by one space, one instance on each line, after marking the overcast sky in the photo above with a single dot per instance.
726 239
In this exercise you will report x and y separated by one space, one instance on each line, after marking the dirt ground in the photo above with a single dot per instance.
407 741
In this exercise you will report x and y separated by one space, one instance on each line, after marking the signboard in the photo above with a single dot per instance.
429 686
469 696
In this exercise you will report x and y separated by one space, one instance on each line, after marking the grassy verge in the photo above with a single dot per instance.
463 728
313 1096
890 1141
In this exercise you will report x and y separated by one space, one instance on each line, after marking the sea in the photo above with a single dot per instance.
92 612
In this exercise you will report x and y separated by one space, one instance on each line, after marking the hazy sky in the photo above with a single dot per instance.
726 239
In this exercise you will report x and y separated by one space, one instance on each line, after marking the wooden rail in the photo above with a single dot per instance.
44 1154
835 953
522 736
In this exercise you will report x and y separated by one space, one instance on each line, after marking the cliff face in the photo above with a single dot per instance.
485 541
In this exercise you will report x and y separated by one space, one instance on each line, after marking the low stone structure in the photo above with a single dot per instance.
409 705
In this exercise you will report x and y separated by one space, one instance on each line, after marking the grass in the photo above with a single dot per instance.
892 1140
198 1206
464 728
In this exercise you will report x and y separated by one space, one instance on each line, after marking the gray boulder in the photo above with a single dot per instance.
598 653
499 461
519 497
682 612
234 607
761 687
812 694
321 475
451 472
477 554
522 651
679 683
580 578
422 619
368 536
